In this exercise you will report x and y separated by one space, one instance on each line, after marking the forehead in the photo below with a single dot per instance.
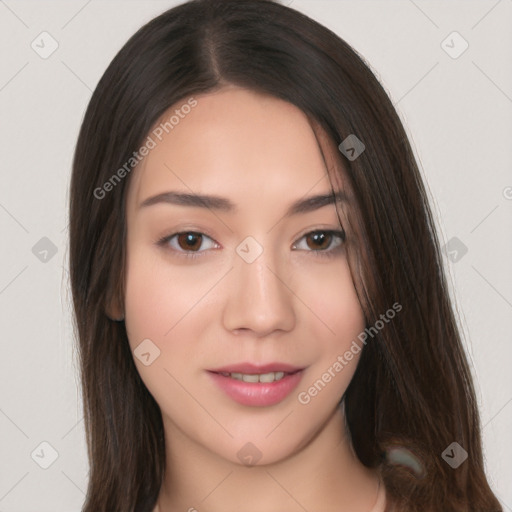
233 142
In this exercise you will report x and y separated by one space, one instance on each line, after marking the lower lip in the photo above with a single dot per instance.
257 394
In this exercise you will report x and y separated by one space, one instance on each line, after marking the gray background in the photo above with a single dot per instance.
457 112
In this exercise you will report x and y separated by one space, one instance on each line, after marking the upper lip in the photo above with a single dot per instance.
251 368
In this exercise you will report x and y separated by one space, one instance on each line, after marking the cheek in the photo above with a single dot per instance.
337 322
335 308
169 306
147 308
160 297
159 304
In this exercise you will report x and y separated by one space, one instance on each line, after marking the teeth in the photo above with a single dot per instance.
249 378
264 377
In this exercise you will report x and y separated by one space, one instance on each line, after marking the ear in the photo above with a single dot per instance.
114 308
114 314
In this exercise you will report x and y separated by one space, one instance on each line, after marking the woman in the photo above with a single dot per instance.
262 315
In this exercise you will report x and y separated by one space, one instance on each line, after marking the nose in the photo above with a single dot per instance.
259 298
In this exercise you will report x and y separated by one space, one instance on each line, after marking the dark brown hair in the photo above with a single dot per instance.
412 390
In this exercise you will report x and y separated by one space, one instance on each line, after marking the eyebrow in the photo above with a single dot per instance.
301 206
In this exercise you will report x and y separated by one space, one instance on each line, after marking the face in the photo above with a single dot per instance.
253 273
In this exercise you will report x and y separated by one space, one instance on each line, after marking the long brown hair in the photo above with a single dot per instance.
412 390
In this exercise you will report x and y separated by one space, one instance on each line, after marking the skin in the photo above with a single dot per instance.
292 304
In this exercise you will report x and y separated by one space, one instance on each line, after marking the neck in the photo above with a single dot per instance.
324 474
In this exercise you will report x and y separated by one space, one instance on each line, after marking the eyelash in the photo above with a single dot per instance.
325 253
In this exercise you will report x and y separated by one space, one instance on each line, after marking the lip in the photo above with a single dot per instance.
257 394
257 368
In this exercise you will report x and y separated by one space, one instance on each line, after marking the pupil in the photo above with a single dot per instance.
319 240
190 239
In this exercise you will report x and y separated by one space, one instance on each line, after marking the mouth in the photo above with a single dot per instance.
257 377
257 385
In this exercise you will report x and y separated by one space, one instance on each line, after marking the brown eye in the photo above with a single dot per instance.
189 241
325 242
318 240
